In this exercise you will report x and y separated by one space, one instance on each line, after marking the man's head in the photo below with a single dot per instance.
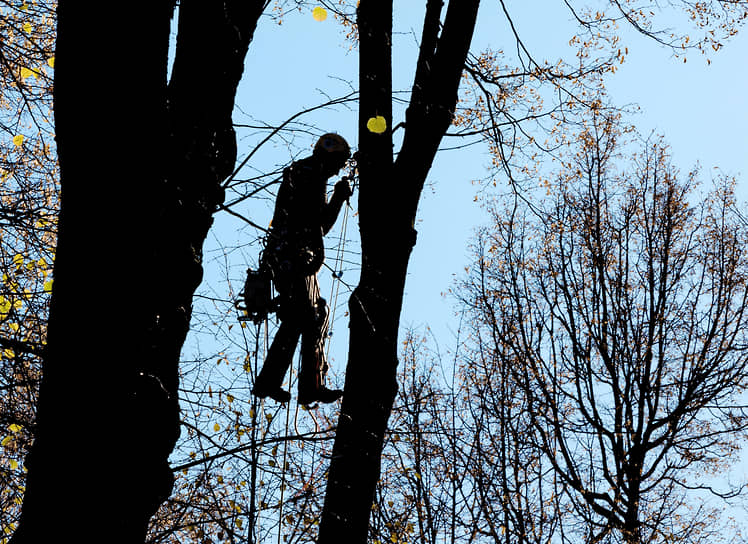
332 151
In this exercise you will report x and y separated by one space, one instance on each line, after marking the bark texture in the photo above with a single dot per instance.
141 165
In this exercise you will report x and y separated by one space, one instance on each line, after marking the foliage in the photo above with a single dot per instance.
28 206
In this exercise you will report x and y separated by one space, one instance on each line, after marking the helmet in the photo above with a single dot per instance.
332 143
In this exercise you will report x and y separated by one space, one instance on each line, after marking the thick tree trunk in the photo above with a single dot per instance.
370 384
141 167
388 202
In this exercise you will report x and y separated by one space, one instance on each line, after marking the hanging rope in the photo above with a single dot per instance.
337 275
283 471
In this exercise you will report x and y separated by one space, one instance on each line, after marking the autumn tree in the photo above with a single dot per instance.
28 203
394 185
612 320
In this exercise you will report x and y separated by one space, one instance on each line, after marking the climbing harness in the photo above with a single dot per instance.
256 297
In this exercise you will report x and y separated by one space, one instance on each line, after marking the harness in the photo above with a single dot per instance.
256 300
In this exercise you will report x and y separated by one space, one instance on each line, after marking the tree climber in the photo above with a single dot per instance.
294 254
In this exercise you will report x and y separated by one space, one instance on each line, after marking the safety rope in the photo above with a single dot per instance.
283 469
337 275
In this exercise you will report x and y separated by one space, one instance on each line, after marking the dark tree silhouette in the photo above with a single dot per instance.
387 240
141 165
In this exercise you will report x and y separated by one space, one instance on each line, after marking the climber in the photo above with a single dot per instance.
294 254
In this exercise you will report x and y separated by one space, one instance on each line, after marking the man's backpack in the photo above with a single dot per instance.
257 295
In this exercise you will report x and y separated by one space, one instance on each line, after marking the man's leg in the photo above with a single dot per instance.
280 355
291 310
313 360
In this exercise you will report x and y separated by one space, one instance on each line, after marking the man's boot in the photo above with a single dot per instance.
312 380
278 394
317 393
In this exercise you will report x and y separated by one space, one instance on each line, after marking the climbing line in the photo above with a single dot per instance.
283 468
336 274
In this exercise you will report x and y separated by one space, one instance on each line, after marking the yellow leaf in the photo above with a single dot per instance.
319 13
14 327
24 6
51 62
25 72
6 440
18 140
216 427
13 464
14 427
48 285
27 27
230 397
9 353
377 124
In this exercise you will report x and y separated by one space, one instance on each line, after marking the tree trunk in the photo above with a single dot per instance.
370 384
388 202
141 166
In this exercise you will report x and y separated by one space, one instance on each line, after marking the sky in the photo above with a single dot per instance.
699 108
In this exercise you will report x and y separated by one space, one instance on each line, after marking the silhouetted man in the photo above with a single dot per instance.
294 254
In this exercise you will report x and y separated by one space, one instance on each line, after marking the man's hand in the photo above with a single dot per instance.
343 189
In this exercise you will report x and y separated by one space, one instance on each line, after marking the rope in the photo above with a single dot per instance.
283 471
336 274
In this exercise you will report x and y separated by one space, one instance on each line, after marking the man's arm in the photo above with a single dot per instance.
331 210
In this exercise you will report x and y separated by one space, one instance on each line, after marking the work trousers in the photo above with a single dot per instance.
302 312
